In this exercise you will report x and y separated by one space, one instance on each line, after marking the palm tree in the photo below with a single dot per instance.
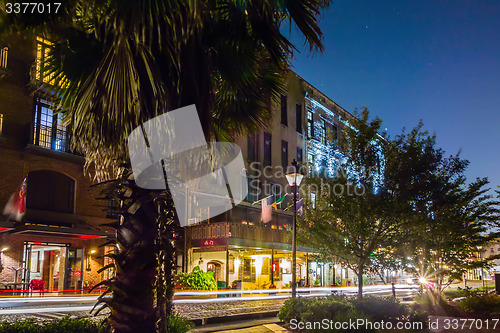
119 64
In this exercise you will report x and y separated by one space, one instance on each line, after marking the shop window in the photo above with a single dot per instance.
298 117
49 131
267 149
50 190
284 114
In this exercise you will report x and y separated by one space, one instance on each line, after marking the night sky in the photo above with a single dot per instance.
407 60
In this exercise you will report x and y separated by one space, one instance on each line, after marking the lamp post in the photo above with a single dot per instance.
294 178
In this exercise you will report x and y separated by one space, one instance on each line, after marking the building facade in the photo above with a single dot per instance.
56 239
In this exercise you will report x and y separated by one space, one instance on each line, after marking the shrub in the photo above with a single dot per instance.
487 304
343 309
63 325
178 324
197 279
435 304
316 309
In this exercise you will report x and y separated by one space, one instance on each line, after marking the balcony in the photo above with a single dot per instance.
228 230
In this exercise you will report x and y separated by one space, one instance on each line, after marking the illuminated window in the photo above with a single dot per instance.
1 123
4 52
322 131
310 124
108 273
48 130
42 56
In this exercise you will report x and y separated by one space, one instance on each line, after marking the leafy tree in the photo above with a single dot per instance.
354 215
141 59
450 217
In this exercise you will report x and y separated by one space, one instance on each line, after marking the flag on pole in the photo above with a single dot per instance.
267 211
299 207
280 200
16 206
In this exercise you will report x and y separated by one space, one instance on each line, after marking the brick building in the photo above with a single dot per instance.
57 240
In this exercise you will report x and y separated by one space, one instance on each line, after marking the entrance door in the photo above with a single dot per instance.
45 262
215 267
74 268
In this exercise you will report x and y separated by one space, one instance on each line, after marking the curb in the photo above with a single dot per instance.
236 317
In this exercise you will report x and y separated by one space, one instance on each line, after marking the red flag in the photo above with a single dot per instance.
267 210
16 206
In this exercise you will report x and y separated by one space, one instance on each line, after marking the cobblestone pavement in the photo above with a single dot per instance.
191 310
207 310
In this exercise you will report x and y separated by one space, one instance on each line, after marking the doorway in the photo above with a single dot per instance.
215 267
59 266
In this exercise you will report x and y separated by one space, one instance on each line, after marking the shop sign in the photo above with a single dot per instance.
213 242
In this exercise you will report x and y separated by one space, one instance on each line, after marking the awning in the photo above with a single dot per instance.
44 230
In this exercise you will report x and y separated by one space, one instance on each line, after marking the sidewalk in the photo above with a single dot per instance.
261 325
258 329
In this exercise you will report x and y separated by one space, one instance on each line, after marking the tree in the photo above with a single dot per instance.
354 215
450 216
143 58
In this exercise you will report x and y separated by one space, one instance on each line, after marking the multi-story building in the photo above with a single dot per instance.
240 248
57 239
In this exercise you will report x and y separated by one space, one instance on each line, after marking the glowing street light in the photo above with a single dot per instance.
294 179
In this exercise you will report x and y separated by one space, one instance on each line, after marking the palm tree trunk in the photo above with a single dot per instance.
142 290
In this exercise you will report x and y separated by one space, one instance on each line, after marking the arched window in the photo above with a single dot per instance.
50 190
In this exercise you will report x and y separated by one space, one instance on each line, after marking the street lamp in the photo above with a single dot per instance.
294 179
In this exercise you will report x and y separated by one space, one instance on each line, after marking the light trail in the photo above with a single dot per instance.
271 294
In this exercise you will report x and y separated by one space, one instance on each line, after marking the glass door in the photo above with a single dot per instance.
74 268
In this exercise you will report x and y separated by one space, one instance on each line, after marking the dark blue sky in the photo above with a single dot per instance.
406 60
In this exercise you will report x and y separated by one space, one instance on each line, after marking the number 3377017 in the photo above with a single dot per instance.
32 7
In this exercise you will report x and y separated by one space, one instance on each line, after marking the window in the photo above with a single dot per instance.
112 207
284 115
310 124
252 146
267 149
334 133
284 154
322 132
4 52
298 116
48 130
310 161
108 273
1 123
50 190
42 56
299 155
